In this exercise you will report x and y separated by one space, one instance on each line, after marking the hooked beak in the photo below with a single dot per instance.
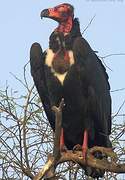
50 13
44 13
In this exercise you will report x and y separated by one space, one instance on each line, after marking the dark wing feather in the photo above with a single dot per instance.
97 78
37 58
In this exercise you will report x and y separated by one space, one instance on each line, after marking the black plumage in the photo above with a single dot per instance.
83 85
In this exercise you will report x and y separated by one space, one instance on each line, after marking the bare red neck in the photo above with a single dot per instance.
66 26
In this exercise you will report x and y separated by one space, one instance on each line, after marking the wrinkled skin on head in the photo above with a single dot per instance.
59 13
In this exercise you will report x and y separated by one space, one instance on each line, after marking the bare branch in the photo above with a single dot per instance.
119 109
88 24
45 169
113 54
116 90
58 113
93 162
77 157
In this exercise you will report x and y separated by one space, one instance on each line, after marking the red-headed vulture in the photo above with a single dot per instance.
70 69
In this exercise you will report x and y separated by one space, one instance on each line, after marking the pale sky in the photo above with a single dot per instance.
20 26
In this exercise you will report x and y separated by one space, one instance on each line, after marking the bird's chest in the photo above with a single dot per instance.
59 64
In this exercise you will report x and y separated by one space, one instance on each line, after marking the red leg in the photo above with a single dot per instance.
85 144
62 139
62 144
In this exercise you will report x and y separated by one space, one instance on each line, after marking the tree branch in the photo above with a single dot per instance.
103 164
50 166
108 164
88 24
58 113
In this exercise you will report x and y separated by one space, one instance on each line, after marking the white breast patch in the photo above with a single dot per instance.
60 77
71 56
49 59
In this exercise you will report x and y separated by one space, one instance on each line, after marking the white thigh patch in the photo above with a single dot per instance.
60 77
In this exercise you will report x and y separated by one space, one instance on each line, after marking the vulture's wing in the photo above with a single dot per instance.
37 58
97 78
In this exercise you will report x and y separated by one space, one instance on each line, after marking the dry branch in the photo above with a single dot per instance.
50 166
104 164
93 162
58 113
108 164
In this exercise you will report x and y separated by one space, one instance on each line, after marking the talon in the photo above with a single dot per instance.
77 147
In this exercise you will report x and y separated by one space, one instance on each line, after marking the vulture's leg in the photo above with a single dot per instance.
62 139
62 144
85 144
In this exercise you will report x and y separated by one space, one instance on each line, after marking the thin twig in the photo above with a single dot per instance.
25 75
113 54
88 24
121 89
119 109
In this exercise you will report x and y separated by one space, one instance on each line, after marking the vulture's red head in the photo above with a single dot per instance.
63 14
